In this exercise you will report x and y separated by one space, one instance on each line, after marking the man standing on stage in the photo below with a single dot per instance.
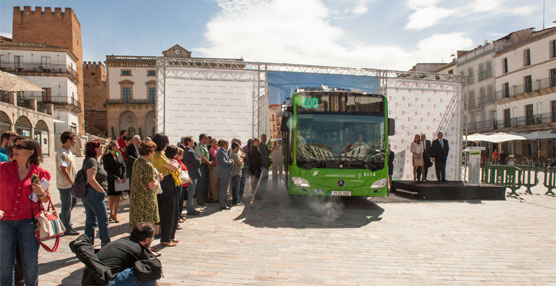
426 157
439 155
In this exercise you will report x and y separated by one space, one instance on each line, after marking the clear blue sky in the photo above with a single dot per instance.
359 33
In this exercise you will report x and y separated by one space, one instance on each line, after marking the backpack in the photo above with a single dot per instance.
79 187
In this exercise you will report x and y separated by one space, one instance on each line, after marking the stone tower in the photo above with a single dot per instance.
55 27
96 92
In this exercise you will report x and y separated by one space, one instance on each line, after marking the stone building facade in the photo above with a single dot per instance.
54 27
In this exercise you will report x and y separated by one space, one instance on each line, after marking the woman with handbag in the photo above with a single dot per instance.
114 166
166 200
97 184
20 197
185 179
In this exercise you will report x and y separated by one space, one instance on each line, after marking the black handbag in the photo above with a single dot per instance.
147 269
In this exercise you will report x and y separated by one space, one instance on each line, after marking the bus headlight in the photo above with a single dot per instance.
379 184
300 182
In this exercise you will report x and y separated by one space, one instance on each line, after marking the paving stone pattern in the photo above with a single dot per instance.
354 241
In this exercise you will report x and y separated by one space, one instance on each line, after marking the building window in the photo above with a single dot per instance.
505 65
553 110
151 73
527 84
471 75
126 94
126 72
553 49
17 62
489 69
507 118
552 77
471 99
44 63
527 57
530 119
152 94
506 89
482 74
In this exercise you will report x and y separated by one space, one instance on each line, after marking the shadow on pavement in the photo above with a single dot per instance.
278 210
74 278
57 264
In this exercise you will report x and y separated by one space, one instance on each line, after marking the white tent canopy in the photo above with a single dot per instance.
538 135
10 82
498 137
476 137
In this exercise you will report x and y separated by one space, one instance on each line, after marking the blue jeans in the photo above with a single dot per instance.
190 193
68 202
95 210
126 278
21 232
236 183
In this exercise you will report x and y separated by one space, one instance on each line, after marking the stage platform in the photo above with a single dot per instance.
451 190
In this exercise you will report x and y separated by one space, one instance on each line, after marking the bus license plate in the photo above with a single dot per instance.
340 193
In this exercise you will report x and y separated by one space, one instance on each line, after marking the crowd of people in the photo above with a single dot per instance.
157 176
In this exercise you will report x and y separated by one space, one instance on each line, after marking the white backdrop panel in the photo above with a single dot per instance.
418 108
209 102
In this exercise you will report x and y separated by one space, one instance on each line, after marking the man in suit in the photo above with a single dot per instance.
223 172
193 164
132 153
426 158
265 162
440 151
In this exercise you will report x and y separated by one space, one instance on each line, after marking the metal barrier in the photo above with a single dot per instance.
514 178
529 178
550 180
507 176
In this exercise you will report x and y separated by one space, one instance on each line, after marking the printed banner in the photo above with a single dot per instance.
213 102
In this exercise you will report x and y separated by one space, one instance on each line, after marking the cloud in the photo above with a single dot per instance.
427 13
292 31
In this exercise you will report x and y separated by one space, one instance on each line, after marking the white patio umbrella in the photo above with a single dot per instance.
476 137
500 137
14 83
538 135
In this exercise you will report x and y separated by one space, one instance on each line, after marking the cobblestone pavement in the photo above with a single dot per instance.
353 241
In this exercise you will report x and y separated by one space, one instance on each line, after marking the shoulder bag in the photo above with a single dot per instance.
48 225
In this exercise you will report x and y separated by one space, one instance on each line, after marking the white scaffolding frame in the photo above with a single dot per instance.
260 100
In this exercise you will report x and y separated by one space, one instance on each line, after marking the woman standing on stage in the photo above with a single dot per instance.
417 151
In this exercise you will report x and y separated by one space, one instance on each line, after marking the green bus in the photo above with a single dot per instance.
335 143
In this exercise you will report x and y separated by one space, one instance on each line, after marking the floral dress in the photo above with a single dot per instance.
143 205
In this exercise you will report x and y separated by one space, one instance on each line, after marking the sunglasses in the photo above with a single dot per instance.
19 147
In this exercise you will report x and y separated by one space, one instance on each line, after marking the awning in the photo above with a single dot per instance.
10 82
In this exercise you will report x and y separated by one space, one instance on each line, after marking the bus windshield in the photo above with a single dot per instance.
339 140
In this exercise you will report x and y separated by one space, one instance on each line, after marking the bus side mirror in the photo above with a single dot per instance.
284 125
391 127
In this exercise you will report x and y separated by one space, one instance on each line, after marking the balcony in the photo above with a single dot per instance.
27 103
59 102
524 122
536 86
40 69
134 101
482 126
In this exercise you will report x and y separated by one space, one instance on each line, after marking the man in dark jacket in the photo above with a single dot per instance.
426 158
193 163
132 153
265 162
440 149
113 264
